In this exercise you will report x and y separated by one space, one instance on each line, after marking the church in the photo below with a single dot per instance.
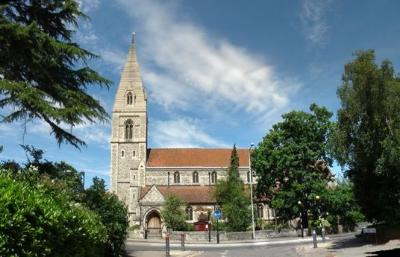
142 177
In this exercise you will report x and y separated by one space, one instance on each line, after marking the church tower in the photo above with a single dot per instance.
129 136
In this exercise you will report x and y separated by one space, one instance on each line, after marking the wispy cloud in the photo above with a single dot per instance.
89 5
313 17
193 68
182 133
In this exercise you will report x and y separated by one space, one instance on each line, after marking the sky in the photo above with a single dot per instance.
217 73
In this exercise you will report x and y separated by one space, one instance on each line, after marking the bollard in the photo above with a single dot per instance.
323 234
314 238
167 246
183 242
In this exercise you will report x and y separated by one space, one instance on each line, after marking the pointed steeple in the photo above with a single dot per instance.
131 81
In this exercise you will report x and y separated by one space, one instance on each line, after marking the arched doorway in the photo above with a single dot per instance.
153 224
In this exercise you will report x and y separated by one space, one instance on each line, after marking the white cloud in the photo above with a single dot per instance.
182 133
184 65
313 19
88 5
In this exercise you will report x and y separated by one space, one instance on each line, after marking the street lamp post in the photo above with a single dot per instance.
251 192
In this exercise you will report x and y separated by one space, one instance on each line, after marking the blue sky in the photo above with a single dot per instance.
217 72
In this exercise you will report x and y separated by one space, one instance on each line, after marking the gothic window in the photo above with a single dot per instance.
214 177
260 211
189 213
177 178
195 177
128 129
129 98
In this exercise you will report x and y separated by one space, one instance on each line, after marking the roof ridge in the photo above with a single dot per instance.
195 148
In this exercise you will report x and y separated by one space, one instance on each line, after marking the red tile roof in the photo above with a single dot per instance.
190 194
194 157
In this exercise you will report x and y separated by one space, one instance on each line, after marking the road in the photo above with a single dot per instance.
279 248
287 250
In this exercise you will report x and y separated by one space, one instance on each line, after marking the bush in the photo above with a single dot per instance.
34 222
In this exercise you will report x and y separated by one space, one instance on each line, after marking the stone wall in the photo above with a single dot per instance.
159 176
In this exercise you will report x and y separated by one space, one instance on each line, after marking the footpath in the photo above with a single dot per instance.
350 247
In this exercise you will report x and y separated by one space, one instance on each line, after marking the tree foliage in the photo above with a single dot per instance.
341 206
36 222
173 213
231 196
43 73
367 137
61 179
113 215
292 162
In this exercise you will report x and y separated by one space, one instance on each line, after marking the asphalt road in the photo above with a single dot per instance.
287 250
137 249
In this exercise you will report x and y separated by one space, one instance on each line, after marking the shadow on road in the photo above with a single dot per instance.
385 253
349 243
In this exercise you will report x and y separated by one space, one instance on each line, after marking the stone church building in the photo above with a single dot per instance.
142 177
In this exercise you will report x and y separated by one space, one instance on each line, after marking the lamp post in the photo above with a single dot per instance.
301 218
251 192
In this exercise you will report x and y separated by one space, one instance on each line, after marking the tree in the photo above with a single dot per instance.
173 213
292 162
113 215
43 73
342 206
231 196
367 136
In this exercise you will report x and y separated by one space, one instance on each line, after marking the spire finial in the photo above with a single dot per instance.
133 38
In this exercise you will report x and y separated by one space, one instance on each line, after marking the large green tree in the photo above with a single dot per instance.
292 162
231 196
43 73
367 137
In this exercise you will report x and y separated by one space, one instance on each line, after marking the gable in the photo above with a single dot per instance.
152 196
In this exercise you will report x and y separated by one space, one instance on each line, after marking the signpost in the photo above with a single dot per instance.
217 216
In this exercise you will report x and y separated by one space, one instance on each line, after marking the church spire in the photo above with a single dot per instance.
131 80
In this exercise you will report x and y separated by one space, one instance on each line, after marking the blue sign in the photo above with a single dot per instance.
217 214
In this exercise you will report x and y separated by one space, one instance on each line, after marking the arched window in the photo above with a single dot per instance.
177 178
214 177
260 211
128 129
189 213
129 98
195 177
122 153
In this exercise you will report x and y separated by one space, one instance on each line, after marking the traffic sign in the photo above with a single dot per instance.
217 214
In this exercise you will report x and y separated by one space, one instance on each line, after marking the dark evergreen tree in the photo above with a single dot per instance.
43 73
231 196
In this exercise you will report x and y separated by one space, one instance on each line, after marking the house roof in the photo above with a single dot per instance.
194 157
190 194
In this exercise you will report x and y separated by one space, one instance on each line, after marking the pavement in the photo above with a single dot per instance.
353 247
